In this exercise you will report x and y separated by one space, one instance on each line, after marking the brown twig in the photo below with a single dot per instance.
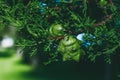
57 38
106 19
110 1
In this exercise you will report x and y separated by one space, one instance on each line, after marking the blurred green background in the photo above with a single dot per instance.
13 68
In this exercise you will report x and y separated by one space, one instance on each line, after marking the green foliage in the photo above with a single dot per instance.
33 18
